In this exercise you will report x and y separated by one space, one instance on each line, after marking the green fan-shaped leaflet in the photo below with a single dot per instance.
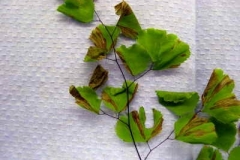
179 103
234 154
191 128
127 22
208 153
81 10
165 50
218 99
104 38
86 97
226 135
135 58
137 123
116 98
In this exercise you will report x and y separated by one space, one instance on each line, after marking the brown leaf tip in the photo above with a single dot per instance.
97 38
74 92
136 119
123 9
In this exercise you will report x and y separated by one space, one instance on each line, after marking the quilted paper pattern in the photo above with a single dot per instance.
42 54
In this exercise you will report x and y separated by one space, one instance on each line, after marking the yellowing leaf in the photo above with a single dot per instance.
116 99
218 99
86 97
127 22
194 129
104 38
137 124
81 10
99 77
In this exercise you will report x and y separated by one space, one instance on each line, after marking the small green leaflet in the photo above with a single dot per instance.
99 77
218 99
159 49
137 124
191 128
86 97
226 135
81 10
208 153
127 22
179 103
116 98
234 154
165 50
104 38
135 58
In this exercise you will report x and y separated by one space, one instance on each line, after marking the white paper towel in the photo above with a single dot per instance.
42 54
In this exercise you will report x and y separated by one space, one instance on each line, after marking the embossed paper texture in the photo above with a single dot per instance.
42 54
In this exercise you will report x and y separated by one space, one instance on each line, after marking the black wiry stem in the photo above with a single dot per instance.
125 81
109 115
150 69
151 149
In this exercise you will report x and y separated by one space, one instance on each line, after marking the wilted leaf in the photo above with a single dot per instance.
104 38
191 128
94 54
99 77
127 22
218 99
86 97
234 154
137 123
116 98
135 58
208 153
81 10
226 135
165 50
179 103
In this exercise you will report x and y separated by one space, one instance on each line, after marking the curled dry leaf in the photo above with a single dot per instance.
99 77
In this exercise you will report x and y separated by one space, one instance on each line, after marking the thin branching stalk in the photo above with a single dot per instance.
117 117
125 81
151 149
127 94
